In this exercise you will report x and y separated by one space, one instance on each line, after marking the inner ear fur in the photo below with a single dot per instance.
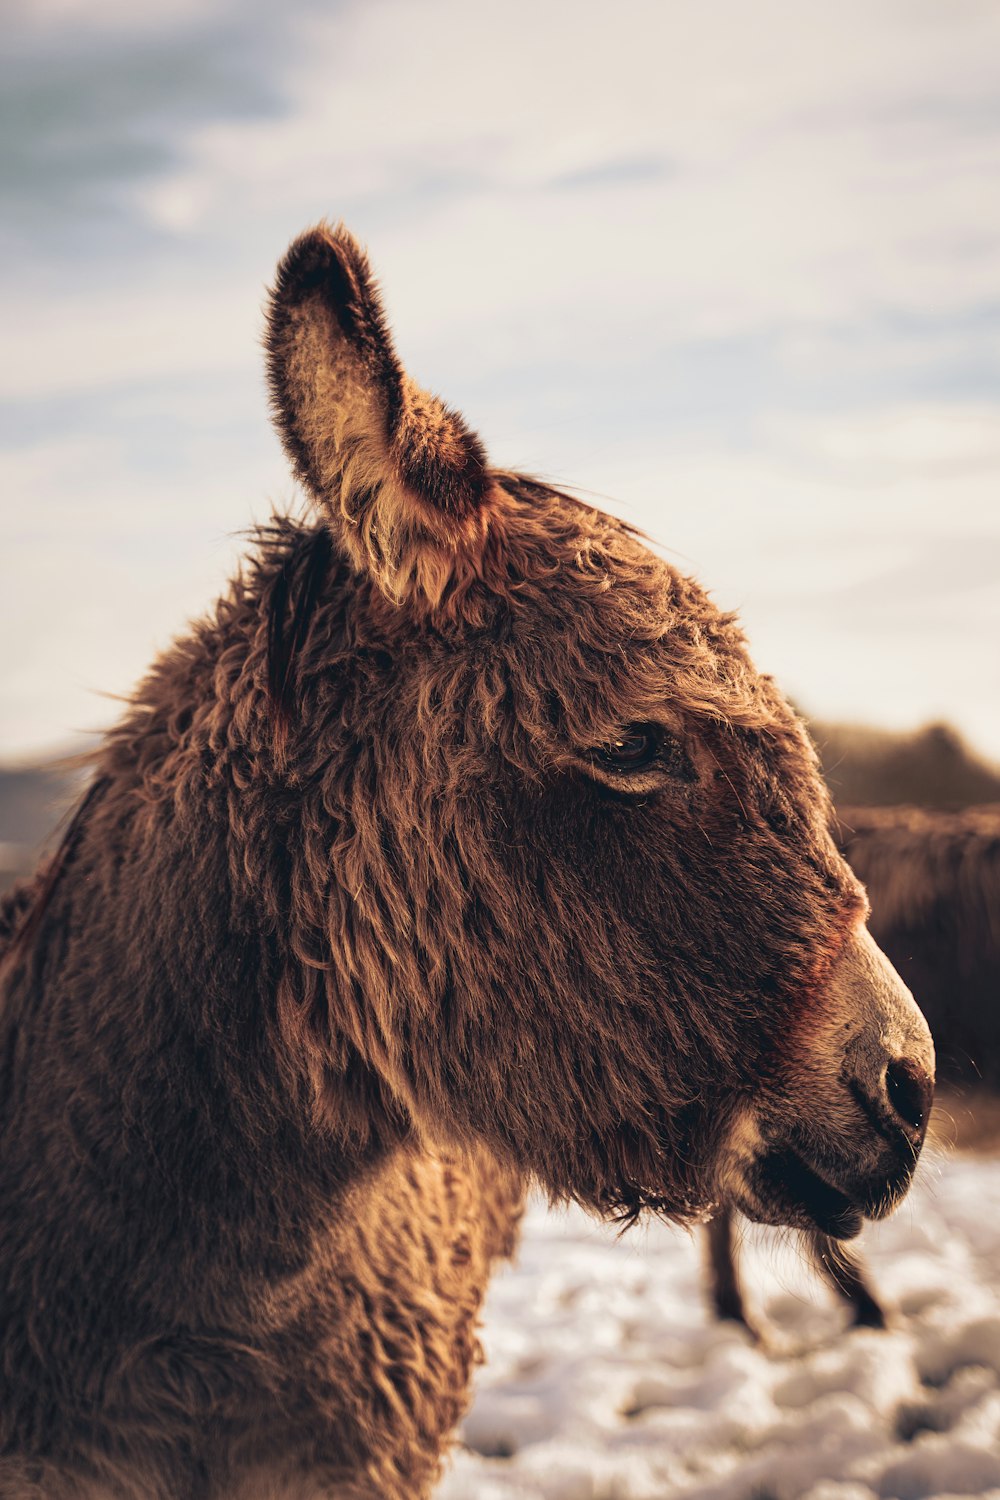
403 481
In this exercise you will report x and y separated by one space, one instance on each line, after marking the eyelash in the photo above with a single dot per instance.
652 746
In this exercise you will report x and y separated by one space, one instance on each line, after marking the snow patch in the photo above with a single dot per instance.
607 1378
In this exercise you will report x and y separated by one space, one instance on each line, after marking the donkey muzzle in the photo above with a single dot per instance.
840 1140
888 1060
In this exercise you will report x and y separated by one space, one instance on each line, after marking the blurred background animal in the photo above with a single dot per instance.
933 879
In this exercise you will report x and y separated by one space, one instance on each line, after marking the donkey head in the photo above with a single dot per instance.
563 860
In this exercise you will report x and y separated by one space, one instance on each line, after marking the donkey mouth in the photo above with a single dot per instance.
786 1190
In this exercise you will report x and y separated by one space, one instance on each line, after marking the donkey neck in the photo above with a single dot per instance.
149 1067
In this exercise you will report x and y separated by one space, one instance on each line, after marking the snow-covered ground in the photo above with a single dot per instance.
608 1380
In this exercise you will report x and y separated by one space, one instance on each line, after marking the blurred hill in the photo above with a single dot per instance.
931 767
33 798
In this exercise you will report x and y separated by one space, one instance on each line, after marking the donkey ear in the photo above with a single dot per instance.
404 482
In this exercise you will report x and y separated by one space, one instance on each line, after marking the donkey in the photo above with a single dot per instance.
933 879
460 848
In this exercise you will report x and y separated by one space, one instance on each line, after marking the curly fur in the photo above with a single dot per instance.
351 941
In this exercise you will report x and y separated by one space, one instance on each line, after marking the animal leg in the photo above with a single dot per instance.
844 1270
724 1280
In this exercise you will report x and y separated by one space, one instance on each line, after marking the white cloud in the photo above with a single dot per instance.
920 440
807 178
54 18
79 341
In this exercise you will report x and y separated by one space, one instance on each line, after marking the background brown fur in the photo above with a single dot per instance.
934 883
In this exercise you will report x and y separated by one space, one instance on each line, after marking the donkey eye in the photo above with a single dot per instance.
637 747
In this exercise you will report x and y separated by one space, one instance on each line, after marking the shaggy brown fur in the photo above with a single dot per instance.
933 879
364 925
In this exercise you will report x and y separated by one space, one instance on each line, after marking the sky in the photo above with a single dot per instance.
733 270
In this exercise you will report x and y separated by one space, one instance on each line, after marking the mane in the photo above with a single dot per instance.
14 904
290 605
289 602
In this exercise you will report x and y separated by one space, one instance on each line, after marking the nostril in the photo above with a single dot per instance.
910 1091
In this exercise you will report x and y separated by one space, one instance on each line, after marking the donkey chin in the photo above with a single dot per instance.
837 1138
